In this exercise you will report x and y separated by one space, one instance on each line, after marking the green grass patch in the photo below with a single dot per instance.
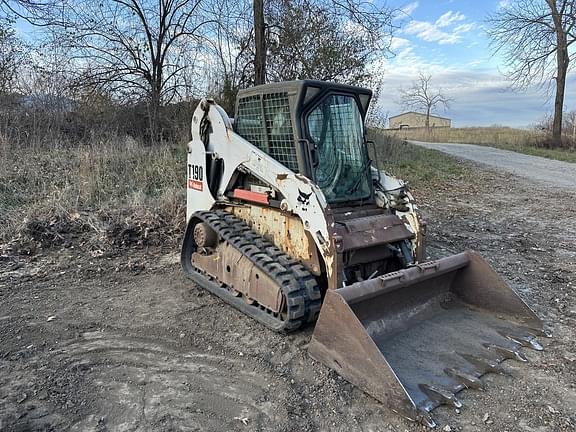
420 167
556 154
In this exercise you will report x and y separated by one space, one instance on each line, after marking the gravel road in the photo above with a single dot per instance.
539 169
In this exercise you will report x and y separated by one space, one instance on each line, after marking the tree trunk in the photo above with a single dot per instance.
562 62
427 124
154 115
260 42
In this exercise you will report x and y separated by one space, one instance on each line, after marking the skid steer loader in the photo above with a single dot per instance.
289 221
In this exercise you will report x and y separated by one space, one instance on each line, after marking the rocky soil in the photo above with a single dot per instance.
123 342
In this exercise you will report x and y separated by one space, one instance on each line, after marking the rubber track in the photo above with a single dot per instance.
299 286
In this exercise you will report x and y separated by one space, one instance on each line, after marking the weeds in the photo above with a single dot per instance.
102 189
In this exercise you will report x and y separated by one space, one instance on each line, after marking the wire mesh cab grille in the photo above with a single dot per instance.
265 121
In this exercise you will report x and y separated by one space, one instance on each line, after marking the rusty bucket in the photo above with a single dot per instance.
414 338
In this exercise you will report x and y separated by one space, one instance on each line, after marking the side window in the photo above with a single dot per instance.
279 130
265 121
249 122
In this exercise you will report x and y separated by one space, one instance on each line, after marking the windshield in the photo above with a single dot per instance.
335 126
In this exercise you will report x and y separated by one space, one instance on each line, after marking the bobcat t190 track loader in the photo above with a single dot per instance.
289 222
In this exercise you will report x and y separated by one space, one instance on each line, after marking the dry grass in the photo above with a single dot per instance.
102 189
122 193
479 135
519 140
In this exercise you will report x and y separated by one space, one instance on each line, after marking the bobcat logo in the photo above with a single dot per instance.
304 198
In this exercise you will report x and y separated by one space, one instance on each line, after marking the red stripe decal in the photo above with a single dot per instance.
247 195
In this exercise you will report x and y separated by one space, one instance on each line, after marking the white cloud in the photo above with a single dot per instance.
409 8
482 96
431 33
352 27
398 43
464 28
448 18
443 30
503 4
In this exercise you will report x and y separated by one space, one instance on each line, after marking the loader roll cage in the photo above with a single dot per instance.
314 128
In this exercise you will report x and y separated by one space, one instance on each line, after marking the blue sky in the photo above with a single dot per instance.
447 39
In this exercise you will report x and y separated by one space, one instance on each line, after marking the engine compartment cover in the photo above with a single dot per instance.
370 231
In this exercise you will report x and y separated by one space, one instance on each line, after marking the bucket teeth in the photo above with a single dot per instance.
543 332
507 352
526 340
484 365
440 396
469 381
426 419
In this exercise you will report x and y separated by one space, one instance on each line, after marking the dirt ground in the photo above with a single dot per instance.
126 343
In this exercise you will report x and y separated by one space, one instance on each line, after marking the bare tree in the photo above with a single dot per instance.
32 11
308 41
421 96
366 20
376 117
132 48
229 57
12 55
535 36
21 7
